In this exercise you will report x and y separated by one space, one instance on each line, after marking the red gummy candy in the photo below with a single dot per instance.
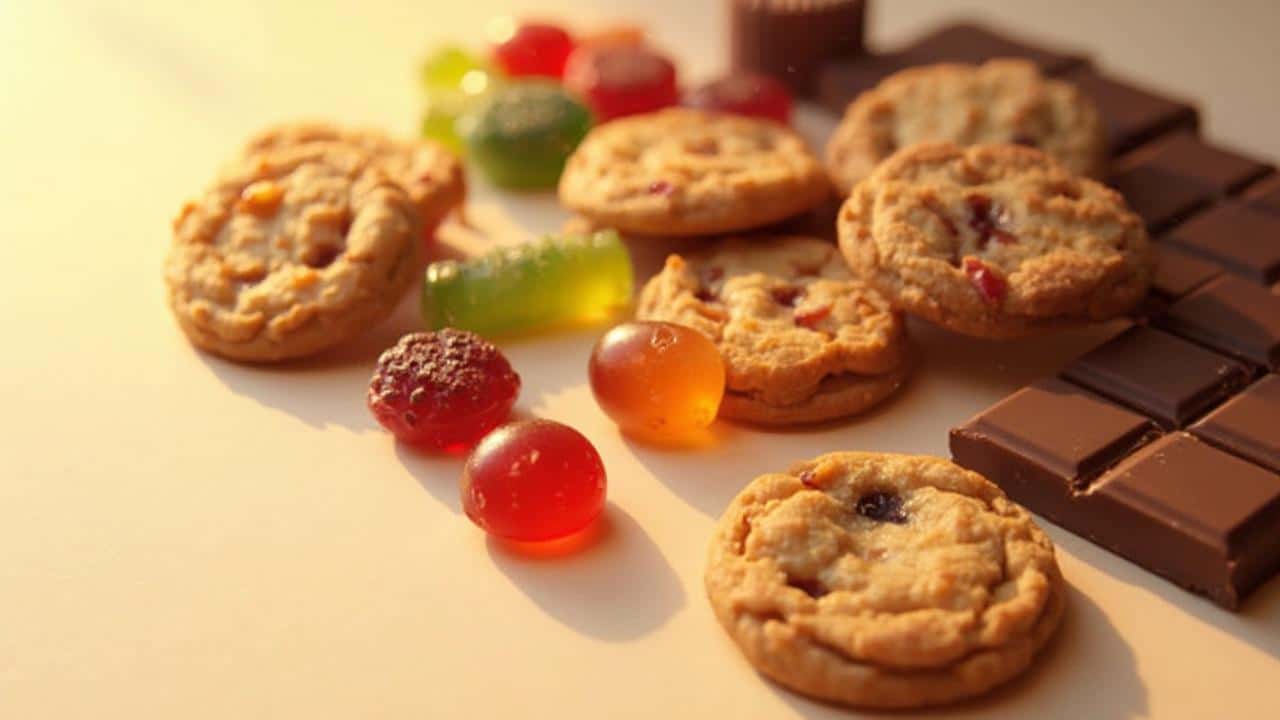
534 49
621 79
442 390
532 481
754 95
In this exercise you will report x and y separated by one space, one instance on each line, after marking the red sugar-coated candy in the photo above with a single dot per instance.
533 480
442 390
533 49
618 79
754 95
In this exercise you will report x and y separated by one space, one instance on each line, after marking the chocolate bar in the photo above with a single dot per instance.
1232 316
1248 425
1177 274
839 83
1159 196
1240 238
1133 116
1265 195
1223 171
1206 519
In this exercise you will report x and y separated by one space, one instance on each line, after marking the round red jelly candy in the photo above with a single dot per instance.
524 49
533 480
442 390
746 94
618 79
657 380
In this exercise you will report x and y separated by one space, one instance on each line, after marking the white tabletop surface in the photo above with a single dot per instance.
181 537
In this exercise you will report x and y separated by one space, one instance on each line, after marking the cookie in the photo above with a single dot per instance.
802 340
885 581
431 175
687 172
994 241
1001 101
291 251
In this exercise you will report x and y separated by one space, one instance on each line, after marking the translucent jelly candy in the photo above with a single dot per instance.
754 95
533 480
442 390
618 79
454 81
657 380
522 135
551 282
525 49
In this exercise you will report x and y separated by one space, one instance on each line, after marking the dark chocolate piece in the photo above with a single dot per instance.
1230 315
1160 197
839 83
1133 116
1204 519
975 44
1184 154
1047 441
1178 272
1159 375
1241 239
1248 425
793 40
1265 195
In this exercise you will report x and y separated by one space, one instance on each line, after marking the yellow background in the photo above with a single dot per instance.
185 538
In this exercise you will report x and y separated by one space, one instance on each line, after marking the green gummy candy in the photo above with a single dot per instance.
521 136
555 281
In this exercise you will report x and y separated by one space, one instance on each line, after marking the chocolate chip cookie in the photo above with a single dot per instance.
1001 101
290 251
802 340
994 240
684 172
887 581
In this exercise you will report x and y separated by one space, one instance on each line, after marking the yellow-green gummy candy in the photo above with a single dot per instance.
555 281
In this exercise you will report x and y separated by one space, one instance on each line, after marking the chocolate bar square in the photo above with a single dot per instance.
1159 375
1133 116
1182 153
1241 239
1248 425
1048 441
1232 316
1160 197
1178 272
1265 195
1206 520
966 42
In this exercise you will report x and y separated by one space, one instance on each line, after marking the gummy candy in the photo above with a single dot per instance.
442 390
533 480
546 283
521 136
455 81
524 49
618 79
746 94
657 380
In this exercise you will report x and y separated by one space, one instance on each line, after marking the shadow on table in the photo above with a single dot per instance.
1256 623
1086 671
613 584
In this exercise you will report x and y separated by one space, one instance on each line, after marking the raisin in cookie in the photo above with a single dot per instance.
431 175
689 172
1001 101
291 251
886 581
802 340
994 240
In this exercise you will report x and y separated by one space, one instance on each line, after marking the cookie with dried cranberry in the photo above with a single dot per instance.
431 175
802 340
291 251
883 581
1001 101
684 172
994 241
